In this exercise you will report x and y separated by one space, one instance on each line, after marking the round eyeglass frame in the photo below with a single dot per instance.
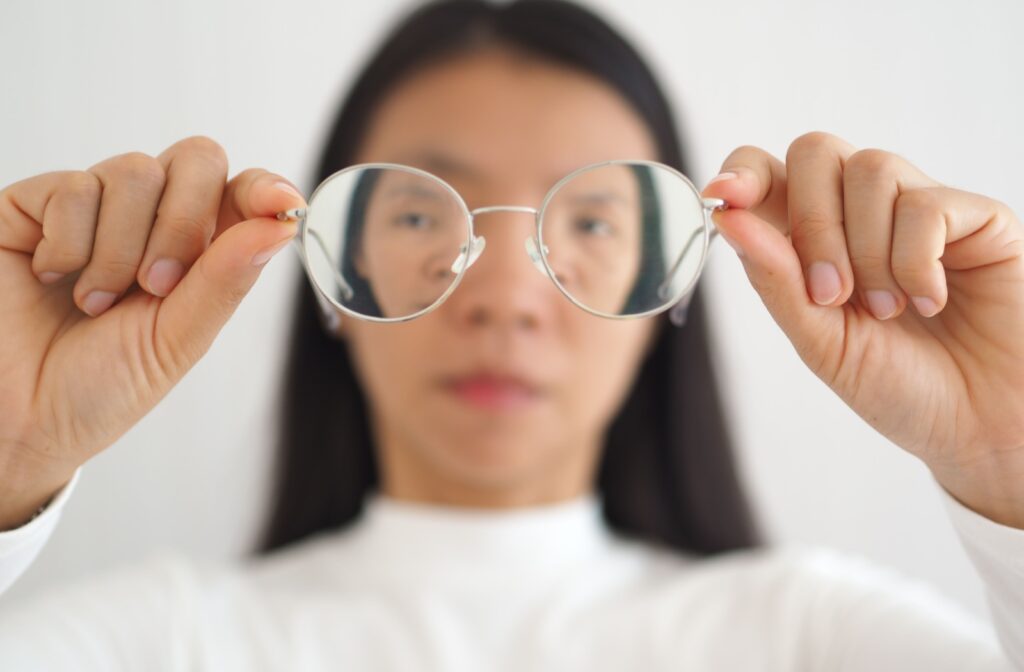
536 249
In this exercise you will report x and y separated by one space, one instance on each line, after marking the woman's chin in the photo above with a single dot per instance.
495 458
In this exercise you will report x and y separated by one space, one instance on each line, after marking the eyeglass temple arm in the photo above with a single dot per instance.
330 316
677 313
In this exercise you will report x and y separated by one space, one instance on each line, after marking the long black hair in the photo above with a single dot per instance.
667 474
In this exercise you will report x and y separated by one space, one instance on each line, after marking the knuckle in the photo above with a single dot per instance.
871 162
206 148
870 265
906 258
811 225
82 185
913 270
171 356
918 203
138 167
112 268
812 142
65 258
911 273
184 229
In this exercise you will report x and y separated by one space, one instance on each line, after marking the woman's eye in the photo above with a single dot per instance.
594 226
413 220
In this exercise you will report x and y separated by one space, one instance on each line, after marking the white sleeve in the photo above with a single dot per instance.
20 546
142 616
997 552
864 617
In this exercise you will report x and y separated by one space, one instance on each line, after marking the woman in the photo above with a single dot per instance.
508 481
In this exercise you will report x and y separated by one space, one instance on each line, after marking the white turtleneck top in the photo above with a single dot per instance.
427 587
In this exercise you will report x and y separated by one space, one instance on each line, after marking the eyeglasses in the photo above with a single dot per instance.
620 239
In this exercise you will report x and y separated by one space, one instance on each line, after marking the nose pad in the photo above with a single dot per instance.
474 253
534 254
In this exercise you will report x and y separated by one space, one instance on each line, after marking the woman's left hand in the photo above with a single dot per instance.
903 295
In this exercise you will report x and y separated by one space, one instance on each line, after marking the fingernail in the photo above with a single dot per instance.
164 274
264 256
49 277
721 177
98 301
825 283
925 306
881 302
284 186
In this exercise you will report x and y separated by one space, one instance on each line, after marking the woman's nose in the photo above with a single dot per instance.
504 283
471 252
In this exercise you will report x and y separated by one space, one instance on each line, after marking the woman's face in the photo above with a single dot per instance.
500 396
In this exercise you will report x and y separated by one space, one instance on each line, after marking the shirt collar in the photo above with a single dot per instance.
426 539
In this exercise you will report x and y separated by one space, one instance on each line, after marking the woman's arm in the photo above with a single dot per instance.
997 552
20 546
858 616
142 617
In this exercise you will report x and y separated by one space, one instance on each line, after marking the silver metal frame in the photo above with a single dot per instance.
535 247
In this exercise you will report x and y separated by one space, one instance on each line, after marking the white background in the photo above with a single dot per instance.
938 83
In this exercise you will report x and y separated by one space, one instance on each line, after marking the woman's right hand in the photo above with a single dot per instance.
77 372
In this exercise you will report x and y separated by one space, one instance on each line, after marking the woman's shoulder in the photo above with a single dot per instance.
791 581
778 566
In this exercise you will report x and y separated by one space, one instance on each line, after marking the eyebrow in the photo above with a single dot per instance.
443 164
434 161
601 197
416 190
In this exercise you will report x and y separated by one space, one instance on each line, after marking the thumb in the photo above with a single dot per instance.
192 315
774 270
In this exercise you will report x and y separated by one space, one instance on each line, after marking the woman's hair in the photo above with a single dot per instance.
363 299
667 473
652 259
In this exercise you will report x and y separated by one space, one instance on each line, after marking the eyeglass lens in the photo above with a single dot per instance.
621 239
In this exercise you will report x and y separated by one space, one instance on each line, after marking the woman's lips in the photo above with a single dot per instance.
493 393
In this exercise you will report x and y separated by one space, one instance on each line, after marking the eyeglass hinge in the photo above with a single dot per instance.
294 213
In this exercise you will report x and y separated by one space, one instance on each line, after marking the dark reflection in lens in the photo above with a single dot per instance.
399 238
643 294
592 231
390 242
362 299
614 232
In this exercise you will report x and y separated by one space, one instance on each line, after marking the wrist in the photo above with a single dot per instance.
23 500
997 493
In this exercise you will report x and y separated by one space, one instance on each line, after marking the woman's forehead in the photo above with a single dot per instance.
489 114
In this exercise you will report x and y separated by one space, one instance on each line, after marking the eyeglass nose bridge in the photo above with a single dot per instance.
478 243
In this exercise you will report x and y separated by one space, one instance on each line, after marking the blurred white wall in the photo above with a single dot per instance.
939 83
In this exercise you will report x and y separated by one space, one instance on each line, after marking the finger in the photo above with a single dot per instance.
754 180
52 217
769 258
252 193
872 181
131 190
938 228
814 168
195 311
196 170
774 270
